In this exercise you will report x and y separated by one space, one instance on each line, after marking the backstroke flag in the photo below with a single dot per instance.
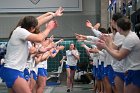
112 3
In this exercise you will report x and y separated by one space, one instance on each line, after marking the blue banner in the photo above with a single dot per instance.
113 2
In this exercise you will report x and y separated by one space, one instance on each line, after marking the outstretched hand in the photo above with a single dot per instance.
80 37
59 11
88 24
51 25
101 44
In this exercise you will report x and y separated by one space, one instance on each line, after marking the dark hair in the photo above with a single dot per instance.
137 27
37 31
103 30
74 45
28 22
124 23
19 22
117 16
109 30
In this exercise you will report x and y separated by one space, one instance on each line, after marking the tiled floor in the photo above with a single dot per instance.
3 88
78 87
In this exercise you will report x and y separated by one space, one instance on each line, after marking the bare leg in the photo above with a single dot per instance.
41 83
98 86
95 84
21 86
131 88
107 86
119 85
10 90
102 88
68 78
32 85
72 77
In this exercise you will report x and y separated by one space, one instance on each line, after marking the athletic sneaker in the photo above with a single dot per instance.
68 90
92 82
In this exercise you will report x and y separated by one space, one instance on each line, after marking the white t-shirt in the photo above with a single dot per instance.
30 58
118 66
40 64
71 60
17 49
45 64
94 56
118 39
132 43
33 67
108 59
31 62
101 56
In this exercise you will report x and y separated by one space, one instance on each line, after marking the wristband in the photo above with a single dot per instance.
54 51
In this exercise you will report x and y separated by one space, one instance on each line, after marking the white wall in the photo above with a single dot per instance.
39 5
69 23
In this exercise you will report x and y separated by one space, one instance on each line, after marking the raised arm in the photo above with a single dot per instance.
94 28
42 35
49 15
117 54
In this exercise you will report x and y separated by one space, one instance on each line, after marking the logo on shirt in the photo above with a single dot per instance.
34 1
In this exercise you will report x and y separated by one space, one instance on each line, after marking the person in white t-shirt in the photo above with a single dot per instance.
30 66
118 66
42 65
17 52
72 57
129 52
94 56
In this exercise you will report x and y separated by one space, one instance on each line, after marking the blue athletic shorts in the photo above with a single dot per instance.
105 72
102 69
0 69
102 63
120 74
71 67
26 74
111 75
99 73
109 72
46 73
41 72
132 76
10 75
33 75
94 71
1 66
